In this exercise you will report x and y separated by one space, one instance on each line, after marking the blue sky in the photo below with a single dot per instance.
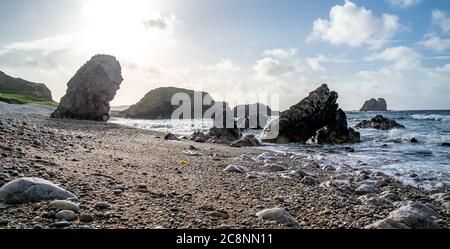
397 49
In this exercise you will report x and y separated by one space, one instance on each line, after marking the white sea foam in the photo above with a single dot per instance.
431 117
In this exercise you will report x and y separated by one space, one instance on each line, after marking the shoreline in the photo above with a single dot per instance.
146 184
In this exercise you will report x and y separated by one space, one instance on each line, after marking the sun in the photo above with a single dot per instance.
120 27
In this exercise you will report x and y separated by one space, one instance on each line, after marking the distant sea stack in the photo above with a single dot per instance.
11 85
157 104
91 89
374 105
317 117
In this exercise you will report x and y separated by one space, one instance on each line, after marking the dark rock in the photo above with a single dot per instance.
380 123
86 218
199 137
171 136
67 215
12 85
414 140
157 104
91 89
101 205
247 141
316 116
445 144
309 180
379 105
225 128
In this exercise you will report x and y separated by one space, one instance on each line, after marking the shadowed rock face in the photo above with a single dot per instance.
91 89
380 123
315 116
379 105
9 84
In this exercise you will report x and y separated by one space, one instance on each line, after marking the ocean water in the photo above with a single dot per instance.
388 151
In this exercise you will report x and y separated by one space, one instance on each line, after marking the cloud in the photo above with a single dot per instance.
280 53
403 3
441 19
268 68
161 22
355 26
403 58
435 43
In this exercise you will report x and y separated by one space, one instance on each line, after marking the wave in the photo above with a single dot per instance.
431 117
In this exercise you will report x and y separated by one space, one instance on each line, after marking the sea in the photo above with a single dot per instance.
425 164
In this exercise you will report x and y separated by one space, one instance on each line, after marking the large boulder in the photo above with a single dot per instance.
31 190
254 116
247 141
33 90
304 120
379 105
91 89
380 123
225 128
413 215
157 104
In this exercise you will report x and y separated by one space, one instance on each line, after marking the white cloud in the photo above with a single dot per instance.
268 68
355 26
403 3
441 19
403 58
435 43
280 53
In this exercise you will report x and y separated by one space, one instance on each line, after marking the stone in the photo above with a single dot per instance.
247 141
4 221
101 205
91 89
414 140
274 167
171 136
62 224
302 122
225 130
374 105
380 123
413 215
63 205
86 218
278 215
235 168
309 180
31 190
365 189
445 144
67 215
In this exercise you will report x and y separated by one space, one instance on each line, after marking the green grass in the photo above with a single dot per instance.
15 98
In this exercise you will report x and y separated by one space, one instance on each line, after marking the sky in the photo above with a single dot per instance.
239 50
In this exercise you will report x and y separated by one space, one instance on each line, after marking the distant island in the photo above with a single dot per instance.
374 105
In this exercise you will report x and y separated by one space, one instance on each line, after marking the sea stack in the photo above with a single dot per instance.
316 117
91 89
374 105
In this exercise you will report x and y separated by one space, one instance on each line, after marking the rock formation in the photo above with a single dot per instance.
91 89
12 85
379 105
316 116
225 128
157 104
380 123
247 141
254 116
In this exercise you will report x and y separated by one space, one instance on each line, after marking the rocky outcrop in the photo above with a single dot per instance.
254 116
31 190
380 123
91 89
374 105
12 85
413 215
247 141
157 104
225 129
315 117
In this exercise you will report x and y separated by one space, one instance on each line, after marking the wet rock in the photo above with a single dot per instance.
91 89
67 215
413 215
309 180
315 116
31 190
171 136
445 144
235 168
247 141
199 137
380 123
279 215
63 205
414 140
365 189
